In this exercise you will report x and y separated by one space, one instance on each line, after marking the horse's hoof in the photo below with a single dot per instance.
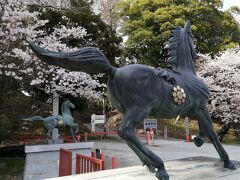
162 175
198 141
150 168
229 165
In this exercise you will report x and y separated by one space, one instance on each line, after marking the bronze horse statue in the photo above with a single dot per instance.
53 121
138 91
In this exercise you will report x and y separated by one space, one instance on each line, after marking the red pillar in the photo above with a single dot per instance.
103 158
147 137
188 138
93 154
114 162
78 138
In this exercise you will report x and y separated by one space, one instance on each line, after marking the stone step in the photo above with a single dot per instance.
42 161
197 168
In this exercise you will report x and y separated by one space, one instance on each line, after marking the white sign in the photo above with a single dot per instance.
97 119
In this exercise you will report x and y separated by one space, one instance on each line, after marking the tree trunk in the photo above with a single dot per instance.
223 131
237 134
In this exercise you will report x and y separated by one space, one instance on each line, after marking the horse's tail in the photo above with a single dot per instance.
34 118
87 59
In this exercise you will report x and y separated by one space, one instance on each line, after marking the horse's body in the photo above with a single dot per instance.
51 122
138 91
146 89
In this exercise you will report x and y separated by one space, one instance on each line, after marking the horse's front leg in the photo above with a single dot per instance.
53 140
132 118
72 133
205 120
77 128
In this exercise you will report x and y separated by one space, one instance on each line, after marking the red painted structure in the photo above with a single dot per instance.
86 164
65 162
114 162
102 157
188 138
94 155
147 137
67 139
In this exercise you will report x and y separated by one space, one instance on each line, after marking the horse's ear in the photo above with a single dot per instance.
187 26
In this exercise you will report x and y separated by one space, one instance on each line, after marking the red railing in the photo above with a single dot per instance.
86 164
114 133
68 139
65 162
26 139
102 157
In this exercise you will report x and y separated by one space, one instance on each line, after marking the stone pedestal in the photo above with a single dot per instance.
197 168
42 161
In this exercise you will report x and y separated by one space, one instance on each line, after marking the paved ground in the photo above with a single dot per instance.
197 168
166 149
185 169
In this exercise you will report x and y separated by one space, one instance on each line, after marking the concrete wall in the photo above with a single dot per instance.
42 161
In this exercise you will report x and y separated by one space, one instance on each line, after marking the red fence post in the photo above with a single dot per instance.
65 162
152 135
188 137
78 165
147 137
114 162
86 136
78 138
103 161
93 154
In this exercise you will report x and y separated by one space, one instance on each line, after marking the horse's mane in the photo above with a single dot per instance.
63 107
173 46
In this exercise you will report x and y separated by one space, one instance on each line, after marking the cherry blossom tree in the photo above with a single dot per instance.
55 25
19 23
107 9
223 77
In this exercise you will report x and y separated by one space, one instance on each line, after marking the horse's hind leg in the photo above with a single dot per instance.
132 118
199 140
205 120
47 135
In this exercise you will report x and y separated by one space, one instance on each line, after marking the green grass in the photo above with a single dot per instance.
231 142
11 168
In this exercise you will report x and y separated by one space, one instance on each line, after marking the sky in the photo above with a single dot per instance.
228 3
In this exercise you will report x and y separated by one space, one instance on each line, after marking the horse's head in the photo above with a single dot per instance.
187 40
182 50
69 104
66 105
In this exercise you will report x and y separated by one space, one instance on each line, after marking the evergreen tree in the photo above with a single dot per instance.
148 25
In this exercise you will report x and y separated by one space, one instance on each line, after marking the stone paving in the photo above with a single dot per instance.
183 161
198 168
166 149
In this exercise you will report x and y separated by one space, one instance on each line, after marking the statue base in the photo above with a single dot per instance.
42 161
197 168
